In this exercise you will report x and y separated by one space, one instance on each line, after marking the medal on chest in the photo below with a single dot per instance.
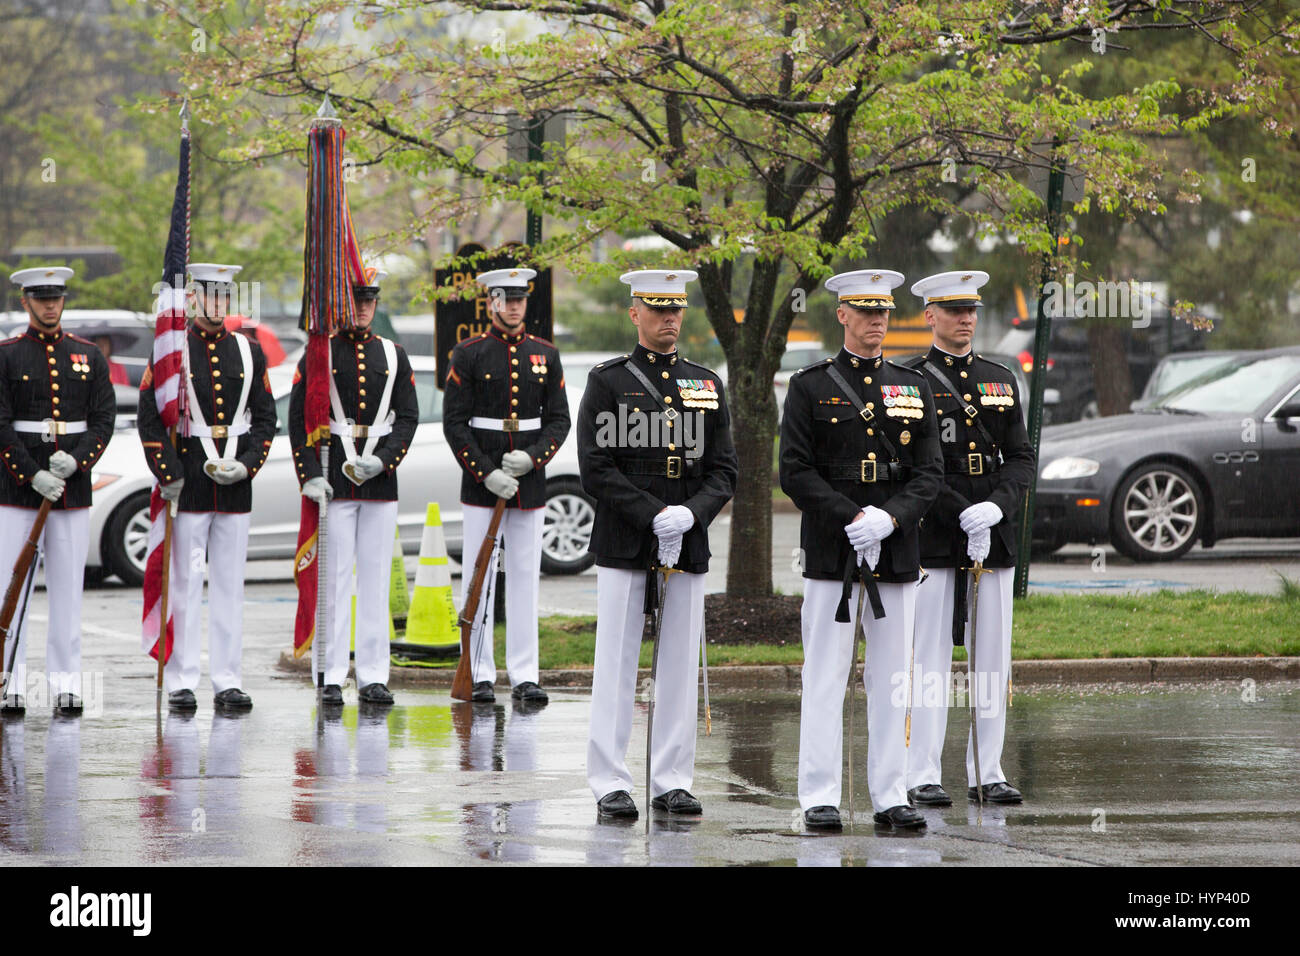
539 363
902 401
698 393
995 393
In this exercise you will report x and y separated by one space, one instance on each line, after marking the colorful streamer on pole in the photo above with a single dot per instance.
331 265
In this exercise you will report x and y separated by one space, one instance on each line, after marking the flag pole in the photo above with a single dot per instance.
325 116
165 596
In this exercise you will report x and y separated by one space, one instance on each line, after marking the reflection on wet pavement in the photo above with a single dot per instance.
1162 775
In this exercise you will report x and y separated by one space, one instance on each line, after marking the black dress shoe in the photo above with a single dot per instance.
182 700
483 692
677 801
376 694
616 804
901 818
1001 792
68 704
822 818
930 795
332 695
13 705
530 692
232 698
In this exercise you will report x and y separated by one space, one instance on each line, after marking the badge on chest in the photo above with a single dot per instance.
902 401
995 393
698 393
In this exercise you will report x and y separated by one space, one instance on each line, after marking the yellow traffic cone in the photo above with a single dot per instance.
431 631
399 601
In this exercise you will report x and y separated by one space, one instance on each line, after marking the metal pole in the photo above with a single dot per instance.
536 135
1042 336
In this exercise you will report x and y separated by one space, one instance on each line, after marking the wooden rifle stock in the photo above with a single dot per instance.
462 685
19 579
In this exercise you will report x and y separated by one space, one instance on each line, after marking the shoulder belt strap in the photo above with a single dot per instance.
863 412
670 413
971 411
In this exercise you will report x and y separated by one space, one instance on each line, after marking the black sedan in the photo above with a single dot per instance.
1217 458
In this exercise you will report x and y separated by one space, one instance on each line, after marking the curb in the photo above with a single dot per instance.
1128 670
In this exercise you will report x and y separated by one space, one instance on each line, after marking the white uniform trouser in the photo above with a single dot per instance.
620 618
523 547
932 680
220 542
360 532
827 651
66 539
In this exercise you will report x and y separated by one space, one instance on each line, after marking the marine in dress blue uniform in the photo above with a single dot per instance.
57 410
505 415
860 458
659 478
209 473
373 416
988 464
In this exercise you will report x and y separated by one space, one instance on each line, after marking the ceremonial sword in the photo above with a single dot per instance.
656 631
977 572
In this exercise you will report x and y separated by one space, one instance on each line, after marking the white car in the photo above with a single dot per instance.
119 516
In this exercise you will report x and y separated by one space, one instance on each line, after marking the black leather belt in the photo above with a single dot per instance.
972 464
675 466
867 470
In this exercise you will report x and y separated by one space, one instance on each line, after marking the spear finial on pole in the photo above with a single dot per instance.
326 115
185 116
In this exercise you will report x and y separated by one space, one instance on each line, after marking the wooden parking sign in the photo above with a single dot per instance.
459 319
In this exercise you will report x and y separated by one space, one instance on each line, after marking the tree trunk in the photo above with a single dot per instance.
1111 378
753 420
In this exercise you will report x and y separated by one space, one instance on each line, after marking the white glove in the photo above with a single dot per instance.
977 544
229 471
870 553
62 464
517 463
670 549
48 485
172 489
874 525
318 490
363 469
501 484
979 517
675 519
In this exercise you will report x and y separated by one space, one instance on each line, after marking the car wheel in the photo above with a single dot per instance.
1090 410
1157 513
126 539
566 528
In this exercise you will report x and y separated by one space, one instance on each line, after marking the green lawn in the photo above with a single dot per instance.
1166 624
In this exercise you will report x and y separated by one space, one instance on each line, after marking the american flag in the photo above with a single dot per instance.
168 372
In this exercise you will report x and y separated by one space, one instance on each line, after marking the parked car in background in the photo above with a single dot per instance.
1215 458
119 518
1176 370
1070 371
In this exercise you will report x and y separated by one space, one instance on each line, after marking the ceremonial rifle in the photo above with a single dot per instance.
462 685
17 584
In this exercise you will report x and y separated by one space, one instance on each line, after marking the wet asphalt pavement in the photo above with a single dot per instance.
1185 775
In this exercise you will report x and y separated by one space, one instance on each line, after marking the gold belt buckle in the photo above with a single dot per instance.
674 466
220 431
510 424
865 463
866 414
975 463
54 427
360 431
